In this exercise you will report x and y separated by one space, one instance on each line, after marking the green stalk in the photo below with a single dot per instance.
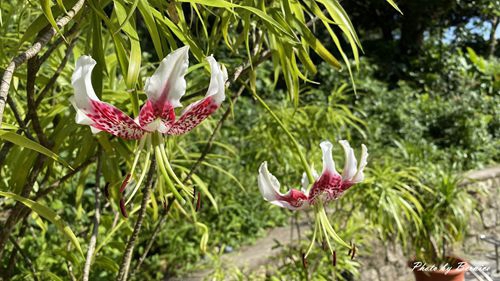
137 154
313 238
294 141
329 229
171 172
145 140
326 236
163 170
141 178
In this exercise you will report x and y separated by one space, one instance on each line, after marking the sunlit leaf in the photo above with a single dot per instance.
48 214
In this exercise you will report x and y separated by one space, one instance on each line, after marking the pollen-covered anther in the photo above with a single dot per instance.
123 210
125 183
304 260
198 201
353 251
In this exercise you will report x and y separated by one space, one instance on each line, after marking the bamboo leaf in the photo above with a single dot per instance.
394 5
145 11
48 214
228 5
27 143
47 11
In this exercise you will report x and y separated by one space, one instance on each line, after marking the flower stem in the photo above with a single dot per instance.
294 141
171 172
141 177
127 256
137 154
329 231
169 182
313 238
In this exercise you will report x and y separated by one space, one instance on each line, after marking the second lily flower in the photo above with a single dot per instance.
329 186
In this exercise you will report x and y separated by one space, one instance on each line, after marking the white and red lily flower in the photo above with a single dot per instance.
328 186
164 90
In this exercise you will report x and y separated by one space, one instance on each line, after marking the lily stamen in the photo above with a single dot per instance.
123 210
125 183
198 201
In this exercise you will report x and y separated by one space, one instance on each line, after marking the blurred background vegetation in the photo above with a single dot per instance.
420 89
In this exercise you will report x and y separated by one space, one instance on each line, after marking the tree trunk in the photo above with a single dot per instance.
493 40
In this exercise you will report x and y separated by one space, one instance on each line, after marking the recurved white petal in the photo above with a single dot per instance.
350 166
363 161
218 80
268 184
168 83
328 163
82 83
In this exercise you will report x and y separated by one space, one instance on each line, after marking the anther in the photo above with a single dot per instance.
124 183
198 201
353 251
122 208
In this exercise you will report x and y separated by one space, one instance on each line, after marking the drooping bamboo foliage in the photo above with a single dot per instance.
45 156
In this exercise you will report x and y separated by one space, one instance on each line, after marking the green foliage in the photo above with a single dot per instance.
445 219
289 53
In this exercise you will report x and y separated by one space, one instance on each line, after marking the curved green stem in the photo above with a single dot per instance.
141 177
137 154
313 238
328 227
294 141
164 172
171 171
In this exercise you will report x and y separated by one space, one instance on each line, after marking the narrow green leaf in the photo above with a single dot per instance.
48 214
98 55
27 143
47 11
394 5
134 61
145 11
129 15
317 46
228 5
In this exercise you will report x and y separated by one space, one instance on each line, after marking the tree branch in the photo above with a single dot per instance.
17 211
97 219
25 257
19 120
127 256
31 52
42 192
158 226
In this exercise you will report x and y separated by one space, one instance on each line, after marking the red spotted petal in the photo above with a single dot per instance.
108 118
329 184
294 198
150 111
194 114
